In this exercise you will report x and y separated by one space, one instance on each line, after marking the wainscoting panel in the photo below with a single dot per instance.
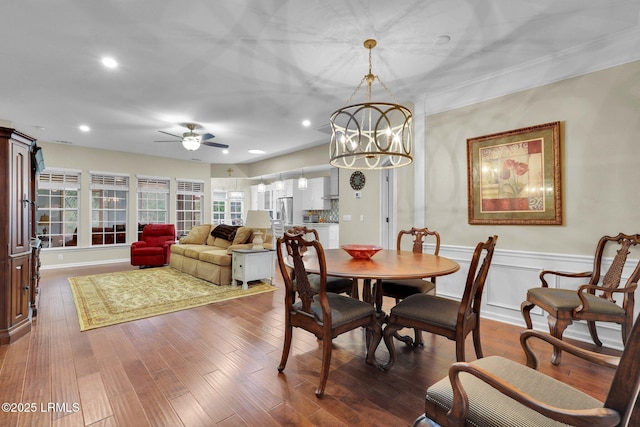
512 273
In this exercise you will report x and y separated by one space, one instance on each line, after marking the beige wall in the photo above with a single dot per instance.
600 121
600 150
59 156
367 230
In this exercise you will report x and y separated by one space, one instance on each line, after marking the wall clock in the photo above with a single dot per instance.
357 180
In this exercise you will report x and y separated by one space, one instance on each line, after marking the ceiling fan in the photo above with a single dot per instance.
191 140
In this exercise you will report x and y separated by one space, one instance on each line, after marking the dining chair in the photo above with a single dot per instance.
495 391
338 285
402 288
443 316
277 228
593 301
323 313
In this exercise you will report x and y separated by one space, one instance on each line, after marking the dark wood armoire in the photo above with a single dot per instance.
19 251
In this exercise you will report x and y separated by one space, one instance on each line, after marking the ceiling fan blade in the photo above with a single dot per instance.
214 144
170 134
207 136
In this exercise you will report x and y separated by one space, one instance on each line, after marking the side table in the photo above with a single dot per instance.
248 265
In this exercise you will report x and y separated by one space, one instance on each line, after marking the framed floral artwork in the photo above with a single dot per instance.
514 177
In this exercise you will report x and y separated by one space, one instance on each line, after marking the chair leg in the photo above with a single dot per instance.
460 349
288 332
525 309
354 289
476 341
374 333
625 332
556 328
594 333
389 333
419 342
326 363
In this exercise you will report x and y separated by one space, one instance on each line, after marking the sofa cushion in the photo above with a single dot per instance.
242 235
215 256
194 251
198 235
180 248
227 232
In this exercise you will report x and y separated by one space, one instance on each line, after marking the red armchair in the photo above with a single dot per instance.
153 250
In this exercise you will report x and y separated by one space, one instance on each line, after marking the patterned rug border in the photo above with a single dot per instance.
88 320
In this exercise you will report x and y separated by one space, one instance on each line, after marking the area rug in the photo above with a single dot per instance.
111 298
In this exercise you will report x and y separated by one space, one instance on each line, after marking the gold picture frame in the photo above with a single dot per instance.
514 177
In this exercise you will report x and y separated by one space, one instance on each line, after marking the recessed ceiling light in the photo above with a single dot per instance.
306 123
256 151
109 62
442 40
225 151
84 128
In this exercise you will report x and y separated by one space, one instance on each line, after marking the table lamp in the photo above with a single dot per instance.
258 220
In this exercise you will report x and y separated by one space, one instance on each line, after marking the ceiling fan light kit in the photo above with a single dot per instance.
191 140
191 143
371 135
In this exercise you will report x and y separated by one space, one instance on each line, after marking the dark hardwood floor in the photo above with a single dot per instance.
216 366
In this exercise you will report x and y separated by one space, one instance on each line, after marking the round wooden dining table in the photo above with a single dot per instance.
384 265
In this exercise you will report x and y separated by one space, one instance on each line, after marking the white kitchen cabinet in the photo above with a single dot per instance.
313 198
328 234
263 201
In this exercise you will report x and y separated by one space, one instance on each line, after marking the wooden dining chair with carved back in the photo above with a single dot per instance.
593 301
444 316
338 285
325 314
498 392
402 288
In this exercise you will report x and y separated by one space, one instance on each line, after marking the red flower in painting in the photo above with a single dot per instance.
521 168
512 187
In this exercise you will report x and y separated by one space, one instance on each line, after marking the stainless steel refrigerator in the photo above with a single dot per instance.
284 210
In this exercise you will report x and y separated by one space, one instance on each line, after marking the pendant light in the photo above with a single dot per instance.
371 135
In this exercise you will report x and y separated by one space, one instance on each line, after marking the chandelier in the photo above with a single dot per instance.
371 135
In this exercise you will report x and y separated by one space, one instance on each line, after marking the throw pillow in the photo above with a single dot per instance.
242 235
227 232
197 236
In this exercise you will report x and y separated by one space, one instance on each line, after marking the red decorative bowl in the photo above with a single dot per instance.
361 251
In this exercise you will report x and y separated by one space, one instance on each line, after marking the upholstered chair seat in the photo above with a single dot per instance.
565 299
401 289
490 408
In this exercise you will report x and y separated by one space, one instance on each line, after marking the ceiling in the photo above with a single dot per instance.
250 71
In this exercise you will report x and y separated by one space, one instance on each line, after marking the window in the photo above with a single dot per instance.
227 209
189 196
153 200
109 202
57 215
219 210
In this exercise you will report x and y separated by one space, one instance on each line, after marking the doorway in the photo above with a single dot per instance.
388 208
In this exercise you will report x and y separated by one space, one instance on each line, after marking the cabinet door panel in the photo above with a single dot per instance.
20 193
19 289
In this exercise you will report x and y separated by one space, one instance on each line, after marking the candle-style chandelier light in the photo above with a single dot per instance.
371 135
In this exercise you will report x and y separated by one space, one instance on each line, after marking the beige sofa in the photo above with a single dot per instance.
206 251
